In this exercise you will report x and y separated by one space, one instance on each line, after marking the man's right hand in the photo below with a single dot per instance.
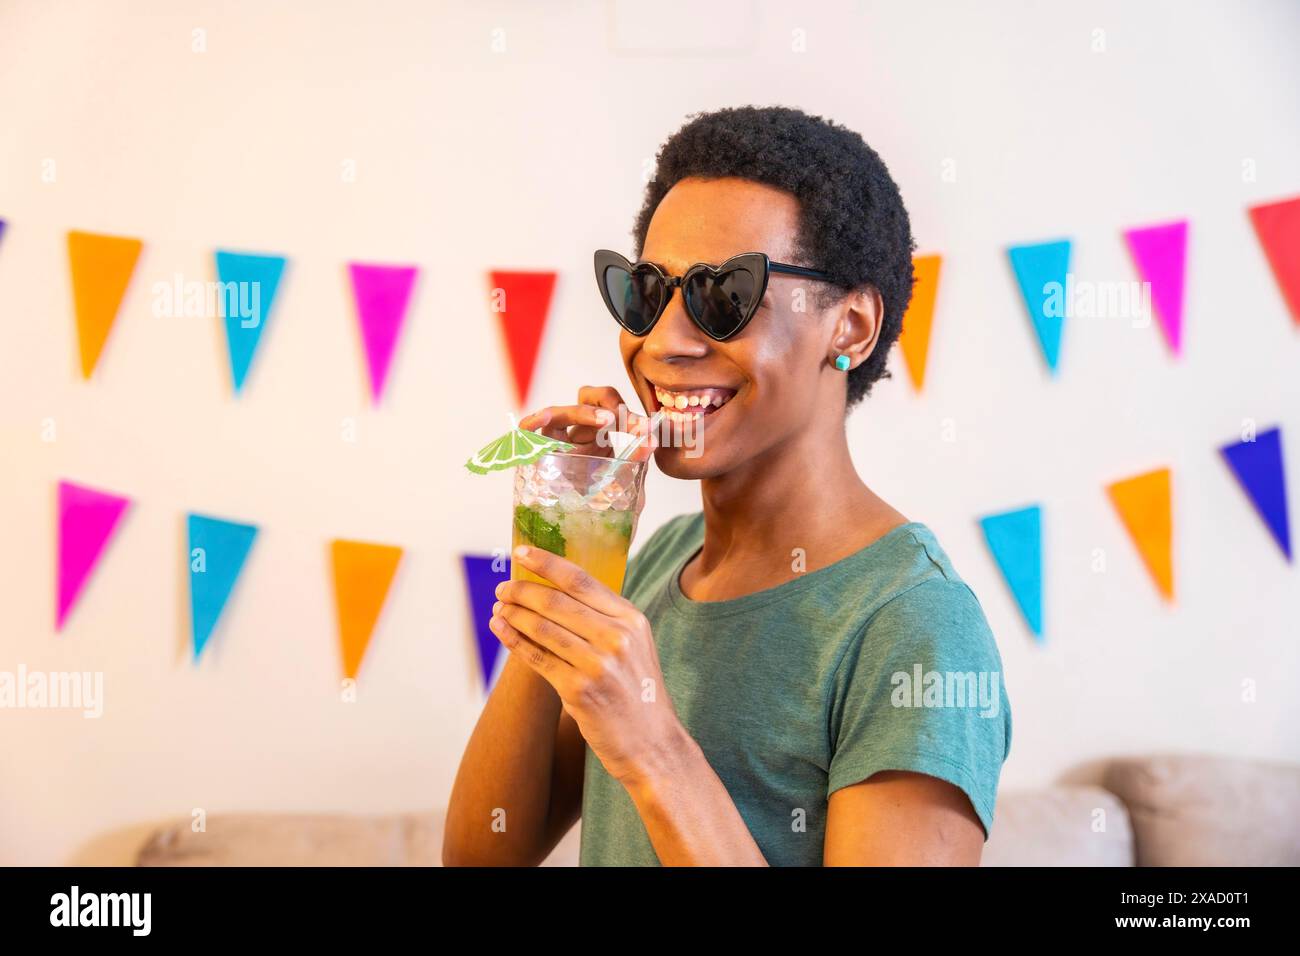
587 424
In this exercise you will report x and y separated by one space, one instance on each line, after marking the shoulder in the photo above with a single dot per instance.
921 689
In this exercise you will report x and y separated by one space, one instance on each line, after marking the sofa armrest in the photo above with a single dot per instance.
1060 826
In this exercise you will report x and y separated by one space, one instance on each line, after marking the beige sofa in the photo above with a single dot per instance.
1152 811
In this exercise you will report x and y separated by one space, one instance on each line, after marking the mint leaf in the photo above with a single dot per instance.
537 531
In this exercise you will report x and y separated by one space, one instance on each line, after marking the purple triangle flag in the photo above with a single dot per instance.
87 519
1259 467
382 294
481 580
1160 254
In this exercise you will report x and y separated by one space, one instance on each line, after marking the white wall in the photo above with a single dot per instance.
468 160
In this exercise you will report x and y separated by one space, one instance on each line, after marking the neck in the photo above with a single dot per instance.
803 493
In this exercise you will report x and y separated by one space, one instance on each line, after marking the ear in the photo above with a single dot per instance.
857 327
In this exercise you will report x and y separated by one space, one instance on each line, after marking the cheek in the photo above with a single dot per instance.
780 363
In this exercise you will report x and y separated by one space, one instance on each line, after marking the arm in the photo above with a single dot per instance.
689 816
526 755
525 758
899 818
596 650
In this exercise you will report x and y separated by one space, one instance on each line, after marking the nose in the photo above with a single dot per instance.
675 336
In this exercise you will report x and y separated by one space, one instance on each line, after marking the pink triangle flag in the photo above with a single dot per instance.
1160 254
382 294
87 519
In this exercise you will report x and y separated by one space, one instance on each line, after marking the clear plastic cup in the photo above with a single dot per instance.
582 508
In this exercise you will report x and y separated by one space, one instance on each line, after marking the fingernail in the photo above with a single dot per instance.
604 415
499 588
496 608
494 623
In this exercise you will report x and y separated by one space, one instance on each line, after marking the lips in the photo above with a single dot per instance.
683 402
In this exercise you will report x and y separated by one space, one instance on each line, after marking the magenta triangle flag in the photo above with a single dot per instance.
87 519
382 294
1160 254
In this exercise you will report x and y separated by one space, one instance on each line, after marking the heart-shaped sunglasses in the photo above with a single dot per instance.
719 299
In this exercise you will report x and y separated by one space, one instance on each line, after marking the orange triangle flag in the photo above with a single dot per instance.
362 574
101 270
917 321
1145 506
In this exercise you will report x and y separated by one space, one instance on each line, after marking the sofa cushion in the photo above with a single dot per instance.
1059 826
269 839
1210 811
273 839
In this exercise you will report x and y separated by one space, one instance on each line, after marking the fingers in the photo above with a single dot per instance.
538 658
575 423
575 600
606 396
545 633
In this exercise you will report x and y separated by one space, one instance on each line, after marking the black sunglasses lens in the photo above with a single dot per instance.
721 303
634 297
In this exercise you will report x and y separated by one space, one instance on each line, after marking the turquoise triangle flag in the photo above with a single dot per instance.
1041 270
216 556
247 291
1016 540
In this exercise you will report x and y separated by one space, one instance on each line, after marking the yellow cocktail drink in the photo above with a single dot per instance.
581 507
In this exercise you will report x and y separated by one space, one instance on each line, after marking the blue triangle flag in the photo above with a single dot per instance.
1016 540
248 287
481 581
1041 270
216 556
1259 467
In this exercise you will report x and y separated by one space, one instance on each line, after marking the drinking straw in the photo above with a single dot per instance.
599 484
655 419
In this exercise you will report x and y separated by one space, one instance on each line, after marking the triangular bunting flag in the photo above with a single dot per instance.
362 574
101 270
914 340
1259 467
87 519
217 550
481 581
523 300
1145 506
1016 540
1042 270
1278 226
249 284
382 294
1160 254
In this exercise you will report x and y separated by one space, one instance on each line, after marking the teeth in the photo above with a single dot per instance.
680 401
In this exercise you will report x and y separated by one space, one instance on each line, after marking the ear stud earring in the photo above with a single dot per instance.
842 363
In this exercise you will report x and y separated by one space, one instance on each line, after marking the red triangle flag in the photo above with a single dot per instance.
523 300
1278 226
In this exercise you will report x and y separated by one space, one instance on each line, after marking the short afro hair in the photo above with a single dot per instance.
853 224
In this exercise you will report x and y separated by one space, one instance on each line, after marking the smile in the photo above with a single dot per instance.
690 403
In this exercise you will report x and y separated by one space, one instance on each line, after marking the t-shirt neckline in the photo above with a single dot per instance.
747 602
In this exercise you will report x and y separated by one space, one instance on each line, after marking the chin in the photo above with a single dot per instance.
685 464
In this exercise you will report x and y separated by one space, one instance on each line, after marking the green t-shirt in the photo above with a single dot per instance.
880 661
